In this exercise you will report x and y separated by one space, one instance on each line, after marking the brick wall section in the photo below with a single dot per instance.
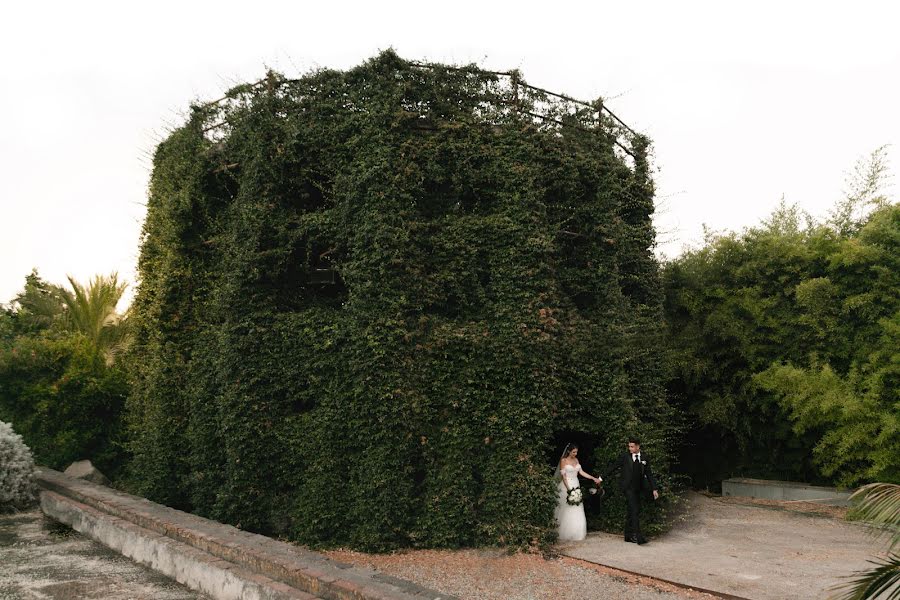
277 561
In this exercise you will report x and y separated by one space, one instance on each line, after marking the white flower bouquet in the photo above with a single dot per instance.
574 496
594 490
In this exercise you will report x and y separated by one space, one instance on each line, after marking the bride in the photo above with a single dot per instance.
572 524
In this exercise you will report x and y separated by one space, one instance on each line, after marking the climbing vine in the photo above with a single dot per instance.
372 301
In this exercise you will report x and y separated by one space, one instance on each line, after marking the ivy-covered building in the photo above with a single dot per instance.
373 303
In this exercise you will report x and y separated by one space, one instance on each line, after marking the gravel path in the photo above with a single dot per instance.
43 560
496 575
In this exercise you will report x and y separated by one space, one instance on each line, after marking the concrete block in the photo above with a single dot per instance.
785 490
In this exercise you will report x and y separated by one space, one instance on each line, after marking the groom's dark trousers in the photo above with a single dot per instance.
633 510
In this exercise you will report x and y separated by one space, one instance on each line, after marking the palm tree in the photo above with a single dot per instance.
878 505
91 311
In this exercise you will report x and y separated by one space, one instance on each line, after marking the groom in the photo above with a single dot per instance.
635 478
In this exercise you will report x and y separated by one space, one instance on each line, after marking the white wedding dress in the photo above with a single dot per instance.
572 524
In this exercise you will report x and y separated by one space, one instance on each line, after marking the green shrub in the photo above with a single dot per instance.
64 399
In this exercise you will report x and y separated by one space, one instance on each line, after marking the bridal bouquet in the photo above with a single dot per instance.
574 497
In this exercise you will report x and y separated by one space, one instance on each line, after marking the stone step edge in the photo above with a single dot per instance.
297 567
222 541
185 564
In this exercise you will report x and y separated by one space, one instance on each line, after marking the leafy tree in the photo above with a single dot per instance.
90 310
730 311
38 307
64 400
57 382
854 411
865 192
784 344
7 325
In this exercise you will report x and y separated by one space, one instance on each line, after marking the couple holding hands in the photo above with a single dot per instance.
635 478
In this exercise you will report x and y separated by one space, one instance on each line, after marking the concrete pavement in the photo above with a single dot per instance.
748 551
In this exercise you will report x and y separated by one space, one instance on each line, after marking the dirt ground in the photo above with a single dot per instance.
43 560
496 575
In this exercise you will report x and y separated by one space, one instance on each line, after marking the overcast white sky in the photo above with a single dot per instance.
745 102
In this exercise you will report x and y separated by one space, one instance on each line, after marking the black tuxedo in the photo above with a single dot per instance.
632 474
635 480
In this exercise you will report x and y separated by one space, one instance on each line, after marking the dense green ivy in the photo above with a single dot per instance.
372 303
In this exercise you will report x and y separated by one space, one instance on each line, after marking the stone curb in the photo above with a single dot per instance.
186 565
253 554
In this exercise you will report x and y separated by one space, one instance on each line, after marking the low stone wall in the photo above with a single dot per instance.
220 560
785 490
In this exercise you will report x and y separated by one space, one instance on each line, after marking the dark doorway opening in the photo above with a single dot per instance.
587 444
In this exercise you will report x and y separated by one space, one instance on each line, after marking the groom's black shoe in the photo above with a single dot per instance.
641 540
632 539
